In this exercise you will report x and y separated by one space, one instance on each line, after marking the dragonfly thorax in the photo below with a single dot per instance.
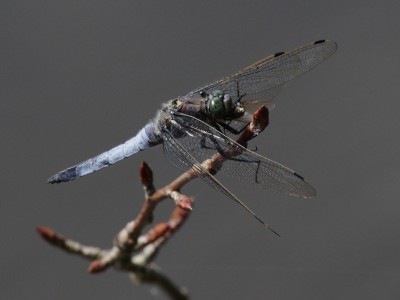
221 107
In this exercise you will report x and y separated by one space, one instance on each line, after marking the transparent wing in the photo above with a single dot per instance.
264 79
179 156
203 141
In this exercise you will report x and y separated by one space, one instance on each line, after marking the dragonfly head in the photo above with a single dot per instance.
221 106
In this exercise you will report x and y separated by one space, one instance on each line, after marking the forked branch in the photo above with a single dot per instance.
135 250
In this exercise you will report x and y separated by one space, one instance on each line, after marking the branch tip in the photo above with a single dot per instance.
44 231
96 266
49 235
185 203
260 119
146 174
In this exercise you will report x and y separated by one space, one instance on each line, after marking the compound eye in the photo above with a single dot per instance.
217 93
217 108
228 104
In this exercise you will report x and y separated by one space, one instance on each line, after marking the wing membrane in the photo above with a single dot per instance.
183 159
203 141
265 78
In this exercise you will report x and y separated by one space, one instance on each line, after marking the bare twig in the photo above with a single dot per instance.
135 251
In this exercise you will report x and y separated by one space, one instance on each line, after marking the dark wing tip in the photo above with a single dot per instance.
328 42
299 176
319 42
279 54
307 190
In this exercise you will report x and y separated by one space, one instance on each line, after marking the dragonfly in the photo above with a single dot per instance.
193 127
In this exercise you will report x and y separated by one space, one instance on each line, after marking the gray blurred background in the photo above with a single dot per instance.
78 77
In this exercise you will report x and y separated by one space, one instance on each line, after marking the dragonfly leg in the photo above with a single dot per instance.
203 144
231 129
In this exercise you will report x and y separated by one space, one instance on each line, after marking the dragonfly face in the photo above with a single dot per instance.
221 107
